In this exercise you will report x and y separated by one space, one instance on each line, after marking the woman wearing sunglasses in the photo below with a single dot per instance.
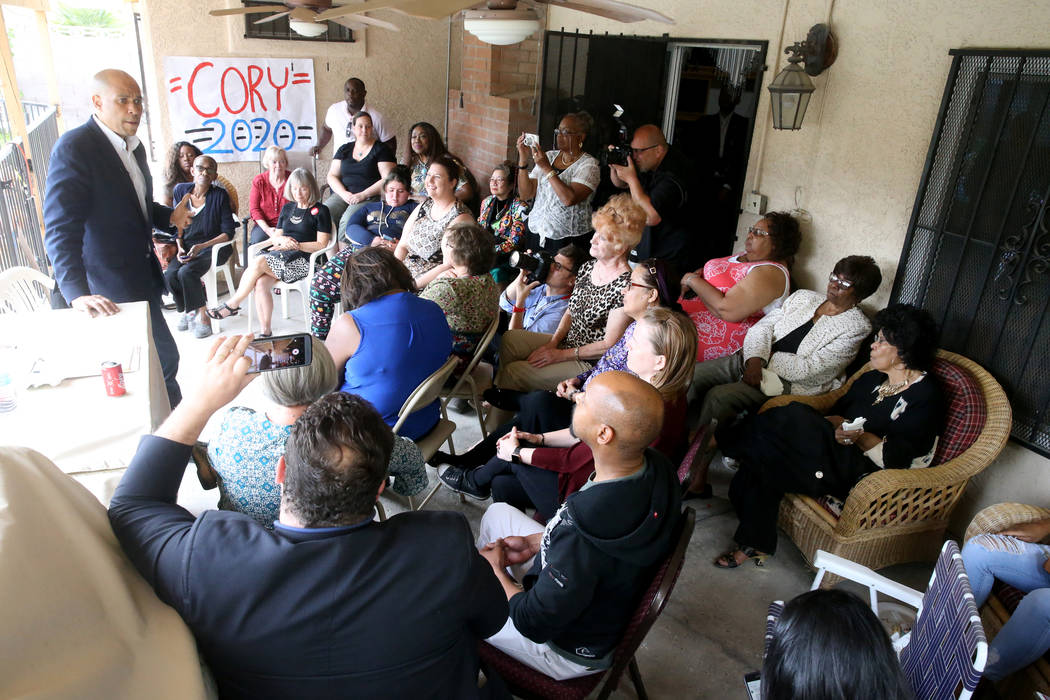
801 348
733 293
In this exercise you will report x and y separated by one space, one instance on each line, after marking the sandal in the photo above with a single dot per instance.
729 560
223 311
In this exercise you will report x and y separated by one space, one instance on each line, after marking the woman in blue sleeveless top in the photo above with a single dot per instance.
390 340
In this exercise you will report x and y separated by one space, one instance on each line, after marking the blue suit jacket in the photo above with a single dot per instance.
96 236
379 610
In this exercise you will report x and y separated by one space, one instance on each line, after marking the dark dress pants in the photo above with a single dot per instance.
521 485
167 350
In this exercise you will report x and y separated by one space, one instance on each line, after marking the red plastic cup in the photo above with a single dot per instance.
113 379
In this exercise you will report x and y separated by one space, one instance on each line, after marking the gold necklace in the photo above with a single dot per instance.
886 389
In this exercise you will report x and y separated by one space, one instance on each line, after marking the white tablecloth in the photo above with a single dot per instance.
76 424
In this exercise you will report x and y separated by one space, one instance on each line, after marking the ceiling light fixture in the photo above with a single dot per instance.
501 27
790 91
310 29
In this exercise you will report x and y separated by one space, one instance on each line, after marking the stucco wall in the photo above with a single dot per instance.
403 71
860 153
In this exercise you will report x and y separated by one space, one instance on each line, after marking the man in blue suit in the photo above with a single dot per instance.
99 213
328 604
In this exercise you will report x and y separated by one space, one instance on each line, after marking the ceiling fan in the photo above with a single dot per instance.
494 22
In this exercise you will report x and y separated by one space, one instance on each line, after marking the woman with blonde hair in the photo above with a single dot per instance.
530 361
266 198
304 227
541 470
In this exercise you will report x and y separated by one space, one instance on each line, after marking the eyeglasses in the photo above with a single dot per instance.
756 231
879 338
636 151
643 286
564 132
840 282
558 265
203 169
497 180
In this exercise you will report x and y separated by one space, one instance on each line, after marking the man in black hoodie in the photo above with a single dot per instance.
599 552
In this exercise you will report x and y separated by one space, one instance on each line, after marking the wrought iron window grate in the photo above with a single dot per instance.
280 29
977 252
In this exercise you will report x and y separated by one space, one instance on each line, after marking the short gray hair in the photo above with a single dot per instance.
301 176
301 386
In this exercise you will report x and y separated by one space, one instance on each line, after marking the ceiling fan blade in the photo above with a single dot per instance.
372 21
612 9
303 14
354 8
349 23
248 10
271 18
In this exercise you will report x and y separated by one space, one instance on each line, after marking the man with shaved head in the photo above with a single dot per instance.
660 179
598 554
99 214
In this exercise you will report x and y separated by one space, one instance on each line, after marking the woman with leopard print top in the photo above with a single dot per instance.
531 361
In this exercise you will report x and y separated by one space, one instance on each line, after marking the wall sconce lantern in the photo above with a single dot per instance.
790 91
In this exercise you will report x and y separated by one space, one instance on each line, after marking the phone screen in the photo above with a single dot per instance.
280 352
753 681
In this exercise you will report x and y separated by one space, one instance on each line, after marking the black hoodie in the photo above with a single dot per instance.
598 556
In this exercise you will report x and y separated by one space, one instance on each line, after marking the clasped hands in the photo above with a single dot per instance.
506 444
284 243
508 551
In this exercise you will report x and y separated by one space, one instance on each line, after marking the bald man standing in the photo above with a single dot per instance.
599 552
99 213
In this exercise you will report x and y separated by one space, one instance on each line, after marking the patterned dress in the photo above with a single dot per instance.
469 303
424 240
590 305
550 219
720 338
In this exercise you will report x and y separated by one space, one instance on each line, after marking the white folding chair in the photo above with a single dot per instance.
466 386
24 289
211 279
286 288
426 393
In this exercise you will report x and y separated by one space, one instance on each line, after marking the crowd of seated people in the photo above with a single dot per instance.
604 369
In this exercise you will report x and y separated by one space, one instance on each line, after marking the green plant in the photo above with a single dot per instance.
94 17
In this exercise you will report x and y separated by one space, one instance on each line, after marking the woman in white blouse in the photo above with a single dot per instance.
562 182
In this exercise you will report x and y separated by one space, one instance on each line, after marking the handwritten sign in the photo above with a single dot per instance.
234 108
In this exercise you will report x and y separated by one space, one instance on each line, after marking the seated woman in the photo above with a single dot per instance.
420 244
652 287
794 449
243 454
389 340
266 198
304 227
553 465
373 224
733 293
466 291
504 213
212 223
425 146
530 361
1018 558
357 171
801 348
179 169
829 645
381 223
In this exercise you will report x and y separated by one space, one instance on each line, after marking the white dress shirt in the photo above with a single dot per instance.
125 148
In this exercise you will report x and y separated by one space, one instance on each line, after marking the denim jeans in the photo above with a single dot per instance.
1026 636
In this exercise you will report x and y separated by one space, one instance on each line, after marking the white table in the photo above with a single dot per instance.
76 424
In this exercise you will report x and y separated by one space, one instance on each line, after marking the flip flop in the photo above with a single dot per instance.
728 559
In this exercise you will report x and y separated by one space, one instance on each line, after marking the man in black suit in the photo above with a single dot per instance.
329 603
99 213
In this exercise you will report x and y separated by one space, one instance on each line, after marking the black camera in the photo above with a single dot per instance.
618 152
536 265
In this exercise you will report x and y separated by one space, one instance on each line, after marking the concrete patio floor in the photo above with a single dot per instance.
709 635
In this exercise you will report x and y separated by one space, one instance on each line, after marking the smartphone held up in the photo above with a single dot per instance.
280 352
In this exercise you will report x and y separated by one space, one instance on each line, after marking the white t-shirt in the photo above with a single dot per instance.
339 120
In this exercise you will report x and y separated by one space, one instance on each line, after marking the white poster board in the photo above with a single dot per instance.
233 108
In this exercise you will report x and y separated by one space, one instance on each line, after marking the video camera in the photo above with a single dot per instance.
617 153
536 265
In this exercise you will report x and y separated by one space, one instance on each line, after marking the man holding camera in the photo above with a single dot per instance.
329 603
660 179
536 306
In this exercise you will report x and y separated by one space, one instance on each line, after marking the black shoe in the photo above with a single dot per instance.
507 399
460 480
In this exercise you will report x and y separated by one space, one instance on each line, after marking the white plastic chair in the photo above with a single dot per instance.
24 289
211 280
286 288
466 387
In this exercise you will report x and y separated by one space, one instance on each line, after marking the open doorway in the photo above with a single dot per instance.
703 94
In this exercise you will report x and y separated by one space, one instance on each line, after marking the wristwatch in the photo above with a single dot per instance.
515 455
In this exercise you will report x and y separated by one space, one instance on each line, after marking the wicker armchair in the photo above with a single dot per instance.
1004 599
900 515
